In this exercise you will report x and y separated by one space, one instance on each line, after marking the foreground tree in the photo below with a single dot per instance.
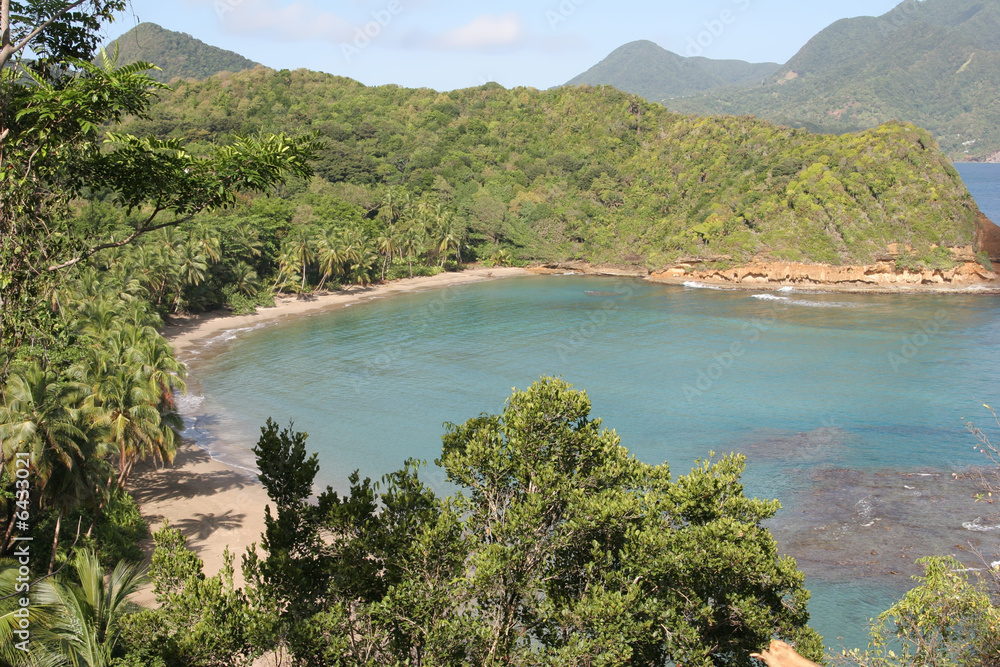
78 619
562 550
51 151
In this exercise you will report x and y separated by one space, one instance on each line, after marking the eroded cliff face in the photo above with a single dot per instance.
884 275
988 238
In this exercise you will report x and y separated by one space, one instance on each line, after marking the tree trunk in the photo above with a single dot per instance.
6 537
100 507
55 542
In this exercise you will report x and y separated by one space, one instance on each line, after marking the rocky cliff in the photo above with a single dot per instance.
883 276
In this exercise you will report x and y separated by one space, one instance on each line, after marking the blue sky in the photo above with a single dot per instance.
447 44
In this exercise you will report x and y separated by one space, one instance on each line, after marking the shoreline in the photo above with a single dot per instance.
184 332
217 505
773 276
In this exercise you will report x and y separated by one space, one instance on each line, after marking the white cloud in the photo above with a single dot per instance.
486 31
297 22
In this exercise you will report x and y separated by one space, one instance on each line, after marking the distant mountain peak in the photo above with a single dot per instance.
934 63
177 54
647 69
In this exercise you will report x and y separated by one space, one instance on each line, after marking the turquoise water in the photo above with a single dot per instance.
849 407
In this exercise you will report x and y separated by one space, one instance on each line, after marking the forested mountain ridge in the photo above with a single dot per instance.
583 173
646 69
934 63
177 54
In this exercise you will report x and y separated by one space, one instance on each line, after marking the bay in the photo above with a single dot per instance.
851 409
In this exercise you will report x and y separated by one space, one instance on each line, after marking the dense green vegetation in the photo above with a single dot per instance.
646 69
176 54
559 548
934 63
86 381
583 174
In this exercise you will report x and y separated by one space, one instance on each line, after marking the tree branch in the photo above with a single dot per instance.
118 244
8 50
4 24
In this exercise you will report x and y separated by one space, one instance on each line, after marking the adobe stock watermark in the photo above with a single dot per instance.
597 319
715 28
899 17
386 358
912 344
365 35
21 617
562 13
709 376
223 7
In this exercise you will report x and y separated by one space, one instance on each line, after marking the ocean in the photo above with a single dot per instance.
851 409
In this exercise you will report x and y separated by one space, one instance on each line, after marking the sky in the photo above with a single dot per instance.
449 44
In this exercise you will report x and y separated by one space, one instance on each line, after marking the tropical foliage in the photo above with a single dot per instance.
581 173
86 421
947 620
75 619
560 549
54 150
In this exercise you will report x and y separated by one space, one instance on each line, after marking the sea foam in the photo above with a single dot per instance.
977 527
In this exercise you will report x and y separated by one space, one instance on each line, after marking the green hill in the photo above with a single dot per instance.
177 54
646 69
934 63
571 173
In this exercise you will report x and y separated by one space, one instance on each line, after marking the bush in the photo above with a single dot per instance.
114 537
241 304
946 621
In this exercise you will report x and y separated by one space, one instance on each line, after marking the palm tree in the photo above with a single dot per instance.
330 254
39 416
190 266
410 245
128 402
207 242
358 257
288 265
43 646
85 626
244 278
387 247
153 362
449 237
245 240
391 206
300 243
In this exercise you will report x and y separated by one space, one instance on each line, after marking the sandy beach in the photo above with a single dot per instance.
183 332
215 505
